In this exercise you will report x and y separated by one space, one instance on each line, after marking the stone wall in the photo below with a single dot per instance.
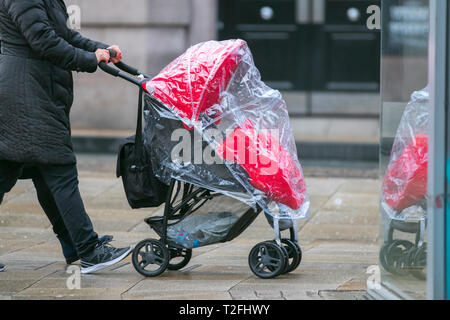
151 33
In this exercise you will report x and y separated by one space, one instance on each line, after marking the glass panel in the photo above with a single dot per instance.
447 202
403 146
447 213
447 176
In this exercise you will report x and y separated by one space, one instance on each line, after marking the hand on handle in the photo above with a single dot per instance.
113 54
118 56
102 55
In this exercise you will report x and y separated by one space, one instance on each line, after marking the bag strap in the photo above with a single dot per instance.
139 144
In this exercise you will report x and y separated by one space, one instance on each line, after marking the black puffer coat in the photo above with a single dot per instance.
38 53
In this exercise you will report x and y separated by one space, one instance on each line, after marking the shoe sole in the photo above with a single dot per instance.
104 265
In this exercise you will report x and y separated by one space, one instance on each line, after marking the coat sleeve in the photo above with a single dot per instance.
30 16
77 40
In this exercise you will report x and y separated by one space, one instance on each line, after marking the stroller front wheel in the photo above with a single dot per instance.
150 257
267 260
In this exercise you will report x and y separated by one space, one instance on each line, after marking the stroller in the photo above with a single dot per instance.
222 142
404 191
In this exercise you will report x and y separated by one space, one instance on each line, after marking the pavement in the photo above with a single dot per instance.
339 243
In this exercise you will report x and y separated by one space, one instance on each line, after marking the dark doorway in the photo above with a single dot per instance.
312 47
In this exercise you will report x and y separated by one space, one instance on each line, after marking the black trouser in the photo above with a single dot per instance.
58 194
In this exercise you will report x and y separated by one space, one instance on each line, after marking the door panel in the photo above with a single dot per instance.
270 29
350 59
352 66
263 12
271 52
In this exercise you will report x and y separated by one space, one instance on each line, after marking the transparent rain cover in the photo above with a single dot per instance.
404 188
212 122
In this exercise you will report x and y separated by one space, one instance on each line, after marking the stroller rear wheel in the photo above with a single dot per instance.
267 260
294 254
150 257
179 258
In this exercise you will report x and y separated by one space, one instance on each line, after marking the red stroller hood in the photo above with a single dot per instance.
193 83
270 166
405 184
216 88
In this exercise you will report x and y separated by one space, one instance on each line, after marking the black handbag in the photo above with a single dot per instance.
142 188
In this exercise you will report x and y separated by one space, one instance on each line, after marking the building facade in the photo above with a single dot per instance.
319 53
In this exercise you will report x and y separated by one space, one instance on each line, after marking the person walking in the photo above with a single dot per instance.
38 54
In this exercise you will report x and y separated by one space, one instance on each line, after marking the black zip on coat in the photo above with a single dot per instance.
38 54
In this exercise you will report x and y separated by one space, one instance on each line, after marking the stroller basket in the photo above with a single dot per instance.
197 217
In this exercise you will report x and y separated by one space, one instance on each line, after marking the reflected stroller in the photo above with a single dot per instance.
404 192
221 140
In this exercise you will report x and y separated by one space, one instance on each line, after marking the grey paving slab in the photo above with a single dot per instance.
177 295
352 202
111 226
25 233
90 188
323 186
18 220
342 295
163 284
340 232
350 217
356 186
66 294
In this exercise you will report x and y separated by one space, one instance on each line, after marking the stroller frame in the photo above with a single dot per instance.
267 259
161 252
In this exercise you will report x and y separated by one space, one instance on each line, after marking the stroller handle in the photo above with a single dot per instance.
124 67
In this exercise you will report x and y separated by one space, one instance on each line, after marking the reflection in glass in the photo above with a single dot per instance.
404 146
